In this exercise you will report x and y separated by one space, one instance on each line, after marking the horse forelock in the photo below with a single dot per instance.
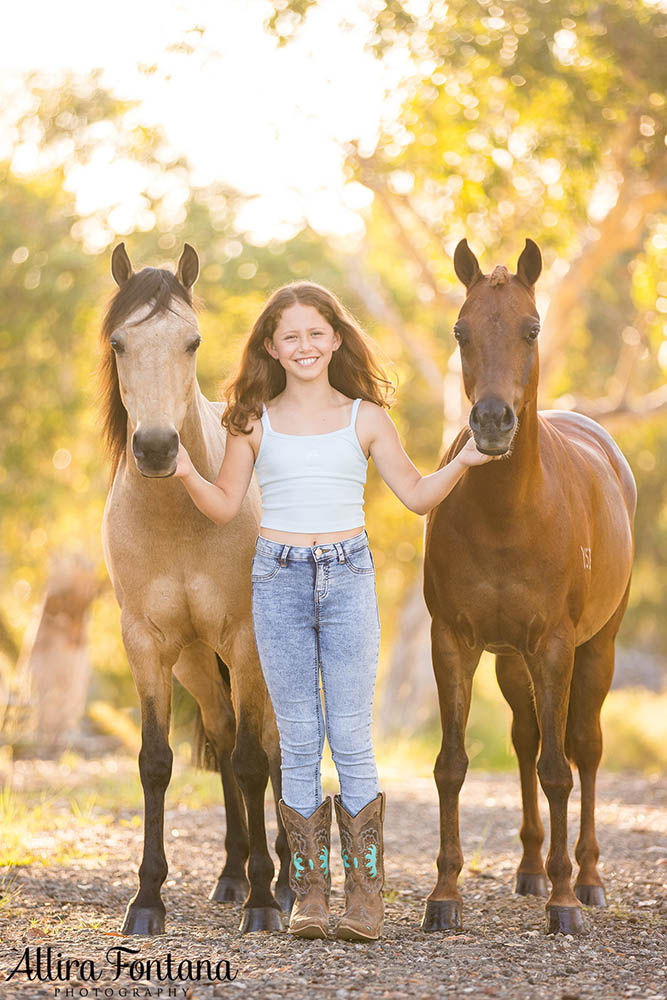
152 284
499 276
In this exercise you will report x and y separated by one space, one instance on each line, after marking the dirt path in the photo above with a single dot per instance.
76 907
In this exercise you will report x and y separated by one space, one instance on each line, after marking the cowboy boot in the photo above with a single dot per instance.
362 850
309 876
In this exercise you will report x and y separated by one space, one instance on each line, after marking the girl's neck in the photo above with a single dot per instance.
309 396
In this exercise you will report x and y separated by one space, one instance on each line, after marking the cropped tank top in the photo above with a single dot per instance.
311 482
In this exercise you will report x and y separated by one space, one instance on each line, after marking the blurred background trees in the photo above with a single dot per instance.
544 120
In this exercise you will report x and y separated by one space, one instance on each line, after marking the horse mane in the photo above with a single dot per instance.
152 284
499 276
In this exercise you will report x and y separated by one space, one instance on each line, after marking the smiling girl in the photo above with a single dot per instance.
306 410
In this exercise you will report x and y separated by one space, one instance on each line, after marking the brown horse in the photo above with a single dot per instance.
529 557
183 586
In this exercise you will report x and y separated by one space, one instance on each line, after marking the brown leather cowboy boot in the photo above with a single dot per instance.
362 850
309 876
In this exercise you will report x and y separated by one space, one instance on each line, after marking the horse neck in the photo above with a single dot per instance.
193 435
505 483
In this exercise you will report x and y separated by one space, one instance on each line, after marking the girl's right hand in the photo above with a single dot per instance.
184 464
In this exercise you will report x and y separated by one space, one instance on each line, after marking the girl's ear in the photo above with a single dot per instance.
270 348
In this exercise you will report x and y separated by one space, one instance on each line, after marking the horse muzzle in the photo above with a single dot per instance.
155 451
493 424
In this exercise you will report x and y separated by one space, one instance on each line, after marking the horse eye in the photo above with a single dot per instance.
533 332
192 347
116 346
459 335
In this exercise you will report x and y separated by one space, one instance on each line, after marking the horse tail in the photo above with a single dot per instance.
203 753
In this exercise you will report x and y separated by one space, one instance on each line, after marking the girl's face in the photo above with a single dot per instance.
303 342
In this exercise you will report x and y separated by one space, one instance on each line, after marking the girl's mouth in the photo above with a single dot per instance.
305 362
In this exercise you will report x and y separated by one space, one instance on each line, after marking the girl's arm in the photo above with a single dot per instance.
221 500
419 493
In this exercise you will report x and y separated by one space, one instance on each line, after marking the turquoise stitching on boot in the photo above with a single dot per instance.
324 858
310 862
371 860
298 865
346 860
356 863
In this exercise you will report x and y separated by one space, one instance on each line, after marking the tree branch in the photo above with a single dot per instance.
612 412
384 312
389 202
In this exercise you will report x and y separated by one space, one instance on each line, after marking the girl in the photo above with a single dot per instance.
306 410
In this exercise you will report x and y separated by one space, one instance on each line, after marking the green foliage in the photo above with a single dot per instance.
519 120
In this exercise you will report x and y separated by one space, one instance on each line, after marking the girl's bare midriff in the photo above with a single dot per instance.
314 538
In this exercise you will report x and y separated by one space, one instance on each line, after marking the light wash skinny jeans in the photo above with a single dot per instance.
315 609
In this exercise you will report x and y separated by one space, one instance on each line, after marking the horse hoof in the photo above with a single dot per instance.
285 896
590 895
564 920
528 884
442 915
147 920
261 918
229 890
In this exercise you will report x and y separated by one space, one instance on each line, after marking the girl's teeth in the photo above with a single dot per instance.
306 361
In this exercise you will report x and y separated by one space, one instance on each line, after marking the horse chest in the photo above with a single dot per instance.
177 610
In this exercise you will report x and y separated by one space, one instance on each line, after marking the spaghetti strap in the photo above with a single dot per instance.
266 424
355 407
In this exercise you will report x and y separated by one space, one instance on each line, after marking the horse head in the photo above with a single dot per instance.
497 330
151 338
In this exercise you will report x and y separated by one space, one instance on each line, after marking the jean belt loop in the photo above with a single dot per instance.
341 553
283 555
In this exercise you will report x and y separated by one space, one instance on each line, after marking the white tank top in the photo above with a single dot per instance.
311 482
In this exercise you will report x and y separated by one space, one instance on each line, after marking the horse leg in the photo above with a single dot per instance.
152 677
454 666
198 671
514 681
271 743
251 768
591 680
551 671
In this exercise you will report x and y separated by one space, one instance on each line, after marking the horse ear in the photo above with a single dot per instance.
465 264
188 266
529 265
121 268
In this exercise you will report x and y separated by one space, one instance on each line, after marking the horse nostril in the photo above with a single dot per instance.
507 419
474 419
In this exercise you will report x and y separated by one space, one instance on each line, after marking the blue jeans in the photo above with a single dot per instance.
314 609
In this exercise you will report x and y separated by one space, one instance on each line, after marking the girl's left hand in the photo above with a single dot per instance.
469 455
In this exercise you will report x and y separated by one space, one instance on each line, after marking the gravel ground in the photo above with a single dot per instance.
76 908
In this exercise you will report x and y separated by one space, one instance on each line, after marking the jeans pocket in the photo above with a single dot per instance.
360 561
264 567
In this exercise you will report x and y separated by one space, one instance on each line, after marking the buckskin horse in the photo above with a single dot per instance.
528 557
183 586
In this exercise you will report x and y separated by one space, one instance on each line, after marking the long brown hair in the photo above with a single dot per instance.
354 369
